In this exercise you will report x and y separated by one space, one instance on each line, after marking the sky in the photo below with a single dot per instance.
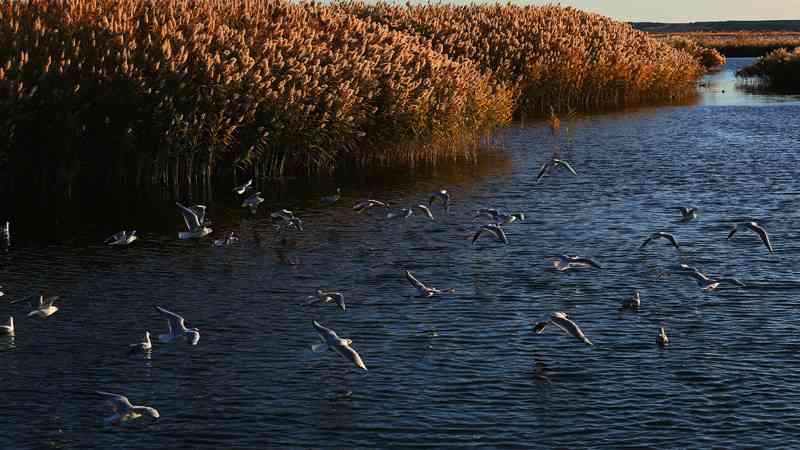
686 10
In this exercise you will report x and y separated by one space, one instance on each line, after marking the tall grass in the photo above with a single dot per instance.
741 43
707 57
177 94
778 70
551 56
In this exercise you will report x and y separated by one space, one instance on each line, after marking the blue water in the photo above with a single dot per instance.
463 370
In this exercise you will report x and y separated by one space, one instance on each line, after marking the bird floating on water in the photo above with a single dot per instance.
45 308
288 219
661 235
755 228
561 320
367 204
662 338
327 297
330 340
124 410
122 238
494 230
141 347
566 262
253 201
634 303
554 163
242 188
229 240
177 328
443 196
688 214
7 329
425 291
195 218
332 198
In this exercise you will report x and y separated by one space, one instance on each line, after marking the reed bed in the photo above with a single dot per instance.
741 43
114 95
552 56
778 70
707 57
133 93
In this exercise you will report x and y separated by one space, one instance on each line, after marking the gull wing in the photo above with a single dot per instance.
116 237
499 233
49 302
699 276
670 238
763 234
327 335
570 328
734 281
481 231
545 167
587 261
190 217
733 231
415 282
175 321
337 297
647 241
119 402
350 354
564 164
200 211
426 211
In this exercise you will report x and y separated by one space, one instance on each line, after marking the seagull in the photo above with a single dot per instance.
195 222
633 303
122 238
755 228
367 204
231 239
6 230
1 292
242 188
561 320
425 291
288 218
327 297
707 283
177 328
45 308
688 213
342 346
332 198
403 213
566 262
499 216
425 210
662 339
554 163
7 329
144 346
442 196
253 201
493 229
661 235
124 410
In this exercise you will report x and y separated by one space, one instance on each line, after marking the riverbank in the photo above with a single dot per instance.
127 96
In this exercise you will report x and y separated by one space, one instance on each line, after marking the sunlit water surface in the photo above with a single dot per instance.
463 370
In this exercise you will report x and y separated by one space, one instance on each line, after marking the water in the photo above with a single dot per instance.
463 370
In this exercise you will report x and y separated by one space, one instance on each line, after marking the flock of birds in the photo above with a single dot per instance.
197 227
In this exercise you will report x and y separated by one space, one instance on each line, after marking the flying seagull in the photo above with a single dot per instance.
46 308
707 283
253 201
755 228
242 188
561 320
566 262
332 198
425 291
342 346
327 297
122 238
7 329
492 229
688 214
124 410
177 328
498 216
661 235
367 204
554 163
144 346
195 222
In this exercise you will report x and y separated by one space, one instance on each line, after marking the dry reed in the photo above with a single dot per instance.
779 70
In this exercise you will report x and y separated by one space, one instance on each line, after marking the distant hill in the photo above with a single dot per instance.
726 26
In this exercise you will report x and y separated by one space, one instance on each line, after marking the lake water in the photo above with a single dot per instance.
462 370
